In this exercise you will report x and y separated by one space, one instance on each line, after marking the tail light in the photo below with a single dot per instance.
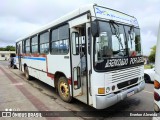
156 96
156 84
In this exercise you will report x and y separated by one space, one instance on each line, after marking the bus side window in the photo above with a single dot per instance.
44 42
27 46
34 44
60 40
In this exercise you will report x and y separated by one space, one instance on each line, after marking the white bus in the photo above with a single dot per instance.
92 54
157 76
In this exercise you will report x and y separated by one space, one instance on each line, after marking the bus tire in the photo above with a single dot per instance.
63 89
26 72
147 79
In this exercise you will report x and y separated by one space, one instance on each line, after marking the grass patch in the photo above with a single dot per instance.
148 66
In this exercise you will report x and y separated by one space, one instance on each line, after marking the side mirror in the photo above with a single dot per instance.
95 29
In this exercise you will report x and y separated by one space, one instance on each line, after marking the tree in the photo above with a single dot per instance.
2 49
152 54
10 48
7 48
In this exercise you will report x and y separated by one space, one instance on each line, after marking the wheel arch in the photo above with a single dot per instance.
24 66
57 75
147 76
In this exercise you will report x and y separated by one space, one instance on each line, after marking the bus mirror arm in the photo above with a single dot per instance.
94 28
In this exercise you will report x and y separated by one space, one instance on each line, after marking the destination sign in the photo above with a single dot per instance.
114 15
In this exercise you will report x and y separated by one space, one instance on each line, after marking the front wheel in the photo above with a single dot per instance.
63 89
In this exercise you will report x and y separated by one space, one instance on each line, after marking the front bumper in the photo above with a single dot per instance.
111 99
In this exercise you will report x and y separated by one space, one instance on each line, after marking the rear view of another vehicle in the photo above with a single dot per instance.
157 76
149 75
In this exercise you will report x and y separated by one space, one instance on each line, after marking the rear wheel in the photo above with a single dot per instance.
26 72
63 89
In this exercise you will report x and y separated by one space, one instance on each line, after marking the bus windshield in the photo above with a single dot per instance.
116 41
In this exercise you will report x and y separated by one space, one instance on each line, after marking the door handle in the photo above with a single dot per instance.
66 57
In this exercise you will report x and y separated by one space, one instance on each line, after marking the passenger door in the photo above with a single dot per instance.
19 52
79 63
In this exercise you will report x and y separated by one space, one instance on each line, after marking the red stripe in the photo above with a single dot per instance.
70 82
50 75
35 55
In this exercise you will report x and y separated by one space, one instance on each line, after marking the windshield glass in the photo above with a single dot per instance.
133 40
116 42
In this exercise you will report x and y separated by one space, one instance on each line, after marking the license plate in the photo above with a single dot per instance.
130 93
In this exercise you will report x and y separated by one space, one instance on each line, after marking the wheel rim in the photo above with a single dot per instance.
64 90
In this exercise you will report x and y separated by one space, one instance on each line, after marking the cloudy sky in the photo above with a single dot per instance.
20 17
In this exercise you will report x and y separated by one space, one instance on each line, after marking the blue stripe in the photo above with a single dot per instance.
34 58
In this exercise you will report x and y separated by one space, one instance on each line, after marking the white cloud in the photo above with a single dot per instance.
19 17
148 41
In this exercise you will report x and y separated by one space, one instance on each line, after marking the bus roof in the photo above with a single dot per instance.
94 9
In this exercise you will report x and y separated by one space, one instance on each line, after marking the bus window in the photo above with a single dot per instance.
59 42
34 44
44 42
27 46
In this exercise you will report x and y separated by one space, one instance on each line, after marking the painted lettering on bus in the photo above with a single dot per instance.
116 62
136 60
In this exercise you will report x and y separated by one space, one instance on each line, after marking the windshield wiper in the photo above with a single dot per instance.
131 34
116 32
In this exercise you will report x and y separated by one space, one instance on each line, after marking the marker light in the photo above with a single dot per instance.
156 96
156 84
101 90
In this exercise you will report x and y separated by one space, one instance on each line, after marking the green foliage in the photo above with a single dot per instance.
2 49
149 66
152 54
7 48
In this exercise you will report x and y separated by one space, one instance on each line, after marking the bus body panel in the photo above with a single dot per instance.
59 63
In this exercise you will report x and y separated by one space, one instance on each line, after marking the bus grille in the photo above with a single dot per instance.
127 83
124 74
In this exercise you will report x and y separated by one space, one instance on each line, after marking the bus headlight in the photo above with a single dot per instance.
107 89
113 88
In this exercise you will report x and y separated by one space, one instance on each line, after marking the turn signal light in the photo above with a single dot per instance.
156 84
156 96
101 90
